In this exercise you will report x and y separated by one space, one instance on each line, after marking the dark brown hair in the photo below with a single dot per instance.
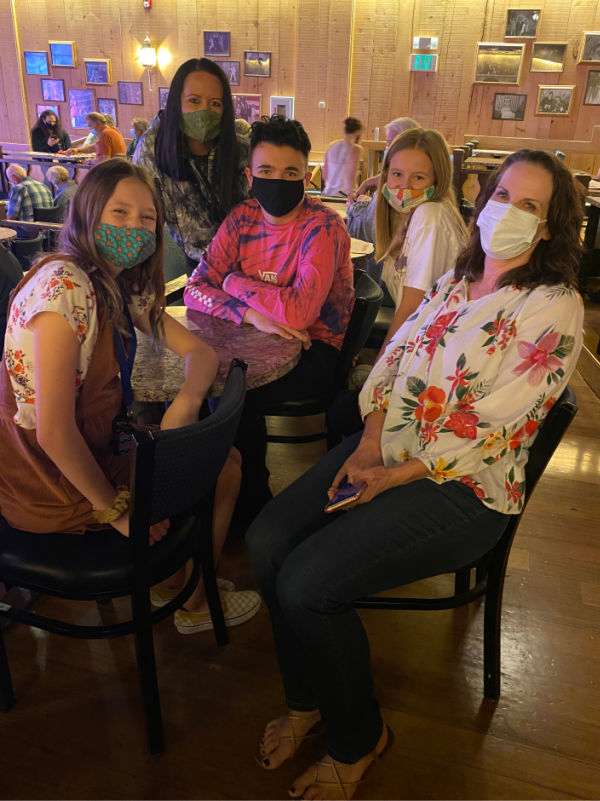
554 260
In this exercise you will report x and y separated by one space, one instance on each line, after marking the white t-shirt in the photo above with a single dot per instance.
65 289
431 245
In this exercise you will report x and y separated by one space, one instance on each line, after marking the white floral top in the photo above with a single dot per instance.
64 288
466 383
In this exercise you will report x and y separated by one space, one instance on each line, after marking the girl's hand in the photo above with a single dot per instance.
157 531
365 457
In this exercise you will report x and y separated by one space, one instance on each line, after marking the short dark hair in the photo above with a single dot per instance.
279 131
352 125
555 260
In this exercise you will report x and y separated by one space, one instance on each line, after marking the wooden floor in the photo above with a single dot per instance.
76 730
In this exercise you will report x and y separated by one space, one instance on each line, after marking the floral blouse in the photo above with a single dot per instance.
466 383
64 288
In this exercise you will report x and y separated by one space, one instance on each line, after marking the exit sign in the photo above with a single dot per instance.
423 62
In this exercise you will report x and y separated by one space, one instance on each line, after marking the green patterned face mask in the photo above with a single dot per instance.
202 125
125 247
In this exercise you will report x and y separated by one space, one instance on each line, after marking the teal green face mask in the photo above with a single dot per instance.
202 125
125 247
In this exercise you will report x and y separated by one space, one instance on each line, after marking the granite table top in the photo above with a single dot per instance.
7 234
158 376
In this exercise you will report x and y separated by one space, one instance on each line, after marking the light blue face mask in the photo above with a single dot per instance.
125 247
132 132
203 125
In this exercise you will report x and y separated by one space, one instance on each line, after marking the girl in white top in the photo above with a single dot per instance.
418 229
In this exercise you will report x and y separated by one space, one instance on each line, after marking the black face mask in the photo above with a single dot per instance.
276 196
49 126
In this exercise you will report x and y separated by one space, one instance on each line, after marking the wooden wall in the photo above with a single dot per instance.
351 55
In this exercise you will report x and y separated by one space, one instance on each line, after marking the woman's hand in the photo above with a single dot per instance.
366 457
269 326
52 140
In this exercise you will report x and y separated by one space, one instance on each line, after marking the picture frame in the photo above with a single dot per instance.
589 52
521 23
97 71
592 89
509 107
555 100
131 93
36 62
231 70
81 103
63 54
41 107
282 105
216 43
257 64
247 107
163 94
53 89
548 57
498 62
108 105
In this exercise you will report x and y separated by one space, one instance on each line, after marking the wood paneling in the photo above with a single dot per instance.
351 54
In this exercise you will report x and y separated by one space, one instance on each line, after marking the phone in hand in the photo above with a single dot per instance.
346 494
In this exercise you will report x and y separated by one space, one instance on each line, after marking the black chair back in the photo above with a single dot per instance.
367 300
27 249
52 214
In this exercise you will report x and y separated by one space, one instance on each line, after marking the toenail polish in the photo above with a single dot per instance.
266 762
292 789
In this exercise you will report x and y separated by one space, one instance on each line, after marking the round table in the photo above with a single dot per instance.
159 376
7 235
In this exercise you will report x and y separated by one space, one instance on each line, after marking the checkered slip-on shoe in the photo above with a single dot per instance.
160 596
238 607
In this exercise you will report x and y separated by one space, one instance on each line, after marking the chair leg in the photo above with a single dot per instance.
462 580
7 694
210 586
492 623
146 661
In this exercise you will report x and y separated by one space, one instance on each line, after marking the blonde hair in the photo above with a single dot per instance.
391 227
14 172
58 174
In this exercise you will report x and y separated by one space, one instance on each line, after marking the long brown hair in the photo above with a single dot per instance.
77 244
391 227
554 260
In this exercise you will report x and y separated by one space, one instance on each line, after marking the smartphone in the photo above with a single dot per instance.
345 495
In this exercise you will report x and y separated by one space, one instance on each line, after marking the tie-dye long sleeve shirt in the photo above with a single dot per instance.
298 273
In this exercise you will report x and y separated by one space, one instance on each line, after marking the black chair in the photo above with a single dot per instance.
53 214
174 270
175 475
367 299
27 249
490 570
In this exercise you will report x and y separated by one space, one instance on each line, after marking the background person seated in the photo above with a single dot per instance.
65 188
110 141
342 159
279 262
138 127
25 195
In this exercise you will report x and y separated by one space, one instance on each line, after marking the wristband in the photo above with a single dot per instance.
120 505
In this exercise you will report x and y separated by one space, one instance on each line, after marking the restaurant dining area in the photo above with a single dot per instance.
300 399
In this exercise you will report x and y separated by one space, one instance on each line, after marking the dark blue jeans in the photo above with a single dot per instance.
311 566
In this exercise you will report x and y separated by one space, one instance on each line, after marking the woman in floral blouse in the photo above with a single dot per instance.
451 409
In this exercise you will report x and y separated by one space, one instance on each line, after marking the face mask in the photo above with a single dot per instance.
132 132
505 230
125 247
50 126
405 200
276 196
202 125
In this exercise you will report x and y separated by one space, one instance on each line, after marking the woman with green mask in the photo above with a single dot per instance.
192 152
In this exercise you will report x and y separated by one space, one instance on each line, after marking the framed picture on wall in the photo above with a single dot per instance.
555 100
521 23
163 94
97 70
53 89
81 103
548 57
106 105
590 47
246 107
36 62
232 70
284 106
592 89
216 43
131 93
257 64
62 54
41 107
509 107
497 62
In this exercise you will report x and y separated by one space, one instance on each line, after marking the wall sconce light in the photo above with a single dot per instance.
147 58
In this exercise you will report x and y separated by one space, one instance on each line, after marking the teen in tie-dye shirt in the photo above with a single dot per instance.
279 262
